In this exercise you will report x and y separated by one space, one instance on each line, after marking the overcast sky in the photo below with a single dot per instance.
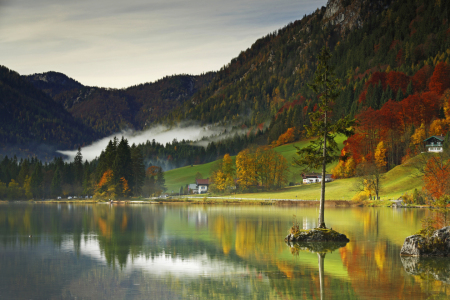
112 43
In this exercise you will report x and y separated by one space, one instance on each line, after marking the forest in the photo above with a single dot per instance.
118 173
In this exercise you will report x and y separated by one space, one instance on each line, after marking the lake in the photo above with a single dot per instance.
103 251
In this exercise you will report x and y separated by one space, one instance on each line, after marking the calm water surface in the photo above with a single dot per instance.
107 251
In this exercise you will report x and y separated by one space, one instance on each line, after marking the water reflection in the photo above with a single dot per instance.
133 252
432 273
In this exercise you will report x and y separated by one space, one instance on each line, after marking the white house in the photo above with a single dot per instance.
435 143
202 185
315 178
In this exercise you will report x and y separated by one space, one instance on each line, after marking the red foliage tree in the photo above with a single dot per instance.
376 78
440 81
397 80
420 79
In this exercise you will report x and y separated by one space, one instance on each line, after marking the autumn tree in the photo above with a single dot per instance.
440 80
246 169
106 187
369 178
222 178
437 176
324 149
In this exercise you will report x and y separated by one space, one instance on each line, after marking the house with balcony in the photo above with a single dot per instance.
435 143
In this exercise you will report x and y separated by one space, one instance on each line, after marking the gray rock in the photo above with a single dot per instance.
437 245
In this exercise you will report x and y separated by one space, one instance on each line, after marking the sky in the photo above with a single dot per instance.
116 44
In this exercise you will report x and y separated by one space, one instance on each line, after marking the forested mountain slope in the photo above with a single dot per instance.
108 111
29 118
365 36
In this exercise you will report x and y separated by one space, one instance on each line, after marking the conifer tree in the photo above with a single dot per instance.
324 149
56 183
78 166
138 169
122 166
160 180
36 180
24 172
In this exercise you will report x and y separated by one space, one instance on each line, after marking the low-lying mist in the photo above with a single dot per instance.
160 134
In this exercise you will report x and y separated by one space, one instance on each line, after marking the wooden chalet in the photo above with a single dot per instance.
435 143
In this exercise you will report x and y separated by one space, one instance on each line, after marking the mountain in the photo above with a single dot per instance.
108 111
30 121
384 51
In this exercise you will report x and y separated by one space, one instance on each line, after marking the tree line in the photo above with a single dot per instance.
119 172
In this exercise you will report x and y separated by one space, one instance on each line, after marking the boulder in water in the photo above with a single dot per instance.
437 245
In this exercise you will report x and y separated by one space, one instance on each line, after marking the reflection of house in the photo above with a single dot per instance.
434 143
315 177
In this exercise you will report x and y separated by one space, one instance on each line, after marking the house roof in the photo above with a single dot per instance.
439 137
193 186
202 181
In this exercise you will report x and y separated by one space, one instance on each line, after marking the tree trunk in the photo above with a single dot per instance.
322 192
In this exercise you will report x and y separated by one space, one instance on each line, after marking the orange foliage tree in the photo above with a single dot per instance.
105 188
285 138
437 177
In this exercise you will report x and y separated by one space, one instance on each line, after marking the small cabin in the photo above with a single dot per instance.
202 185
315 178
435 143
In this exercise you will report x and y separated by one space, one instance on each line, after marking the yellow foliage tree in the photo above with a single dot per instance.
380 155
350 167
418 137
222 178
439 127
27 187
246 169
339 170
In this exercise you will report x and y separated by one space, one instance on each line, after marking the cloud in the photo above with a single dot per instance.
116 43
161 134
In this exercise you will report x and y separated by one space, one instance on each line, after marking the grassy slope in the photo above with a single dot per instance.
396 182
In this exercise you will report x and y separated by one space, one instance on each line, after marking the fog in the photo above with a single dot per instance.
161 134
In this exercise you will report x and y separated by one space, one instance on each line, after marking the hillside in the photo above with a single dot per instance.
396 182
186 175
31 122
108 111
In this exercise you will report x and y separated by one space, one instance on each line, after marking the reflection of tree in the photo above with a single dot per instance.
321 248
258 240
121 232
223 230
371 274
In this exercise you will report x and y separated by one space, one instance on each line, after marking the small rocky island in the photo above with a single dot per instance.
437 245
315 235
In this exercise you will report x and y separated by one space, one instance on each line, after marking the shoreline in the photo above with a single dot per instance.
224 201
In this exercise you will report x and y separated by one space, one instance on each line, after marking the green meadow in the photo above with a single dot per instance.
396 182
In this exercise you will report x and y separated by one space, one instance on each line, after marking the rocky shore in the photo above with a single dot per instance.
437 245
